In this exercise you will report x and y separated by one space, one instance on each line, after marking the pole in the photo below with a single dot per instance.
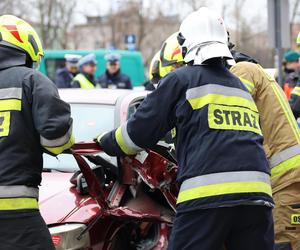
278 42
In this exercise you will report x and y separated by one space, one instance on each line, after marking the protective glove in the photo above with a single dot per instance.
98 138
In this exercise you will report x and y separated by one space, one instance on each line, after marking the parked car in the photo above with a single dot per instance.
105 205
131 63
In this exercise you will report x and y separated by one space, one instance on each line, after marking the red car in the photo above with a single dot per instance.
110 203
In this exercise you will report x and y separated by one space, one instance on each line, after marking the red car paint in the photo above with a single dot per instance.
61 203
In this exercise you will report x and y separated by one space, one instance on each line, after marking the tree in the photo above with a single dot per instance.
54 18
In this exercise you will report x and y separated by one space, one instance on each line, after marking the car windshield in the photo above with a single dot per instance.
89 120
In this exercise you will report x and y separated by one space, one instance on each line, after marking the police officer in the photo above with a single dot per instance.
225 195
65 75
86 78
33 120
113 78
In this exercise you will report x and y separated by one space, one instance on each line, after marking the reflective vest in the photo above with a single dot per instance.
218 141
83 81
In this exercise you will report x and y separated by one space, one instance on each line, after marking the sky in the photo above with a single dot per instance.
251 9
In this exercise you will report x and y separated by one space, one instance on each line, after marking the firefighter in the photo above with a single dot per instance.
225 196
86 78
295 95
167 59
281 143
154 76
33 119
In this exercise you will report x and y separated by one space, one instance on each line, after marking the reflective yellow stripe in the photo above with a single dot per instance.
122 144
296 91
287 111
249 85
200 102
280 169
60 149
10 104
223 189
18 203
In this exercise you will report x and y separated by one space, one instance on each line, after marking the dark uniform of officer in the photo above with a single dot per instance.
113 78
225 196
33 120
64 76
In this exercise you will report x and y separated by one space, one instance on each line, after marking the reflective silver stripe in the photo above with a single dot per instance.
58 141
284 155
218 178
18 191
216 89
127 139
11 93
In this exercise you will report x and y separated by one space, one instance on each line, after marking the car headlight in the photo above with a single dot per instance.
65 237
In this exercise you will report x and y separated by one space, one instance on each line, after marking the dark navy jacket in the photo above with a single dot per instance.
117 80
63 78
201 149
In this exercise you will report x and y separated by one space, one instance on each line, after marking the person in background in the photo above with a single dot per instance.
113 77
166 60
291 67
65 75
154 76
295 95
87 68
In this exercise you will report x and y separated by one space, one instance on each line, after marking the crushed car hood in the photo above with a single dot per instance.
60 202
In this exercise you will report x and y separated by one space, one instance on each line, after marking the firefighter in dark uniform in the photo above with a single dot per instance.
225 197
33 119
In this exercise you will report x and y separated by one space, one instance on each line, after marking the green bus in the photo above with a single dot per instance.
131 63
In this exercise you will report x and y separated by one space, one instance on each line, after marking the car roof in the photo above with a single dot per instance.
97 96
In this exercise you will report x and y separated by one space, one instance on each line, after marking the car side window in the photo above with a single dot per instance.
132 108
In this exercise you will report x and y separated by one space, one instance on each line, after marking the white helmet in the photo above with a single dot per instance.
203 35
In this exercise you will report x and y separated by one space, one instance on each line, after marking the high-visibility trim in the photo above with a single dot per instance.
224 183
283 167
233 118
296 91
18 191
124 141
18 203
10 104
287 111
249 85
83 82
58 141
11 93
212 93
60 149
284 155
204 90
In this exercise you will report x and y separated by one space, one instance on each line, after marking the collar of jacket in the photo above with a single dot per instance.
11 57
